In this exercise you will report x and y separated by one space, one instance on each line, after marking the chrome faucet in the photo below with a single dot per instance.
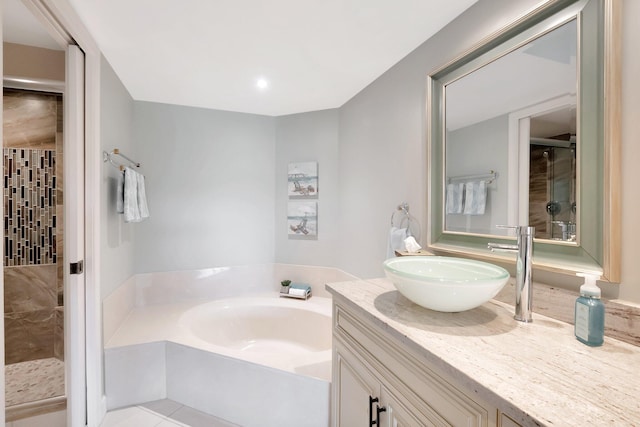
524 287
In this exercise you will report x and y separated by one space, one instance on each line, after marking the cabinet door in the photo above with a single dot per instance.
506 421
352 385
400 413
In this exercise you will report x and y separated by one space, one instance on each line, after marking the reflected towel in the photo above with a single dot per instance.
454 198
396 241
475 198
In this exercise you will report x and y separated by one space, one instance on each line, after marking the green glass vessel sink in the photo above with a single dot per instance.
445 283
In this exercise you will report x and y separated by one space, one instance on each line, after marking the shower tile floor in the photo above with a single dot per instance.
162 413
33 380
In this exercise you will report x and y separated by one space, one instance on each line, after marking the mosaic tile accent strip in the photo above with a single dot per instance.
29 206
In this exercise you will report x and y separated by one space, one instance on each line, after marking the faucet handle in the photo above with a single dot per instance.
523 230
502 247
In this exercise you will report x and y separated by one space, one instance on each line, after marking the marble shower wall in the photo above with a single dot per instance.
33 265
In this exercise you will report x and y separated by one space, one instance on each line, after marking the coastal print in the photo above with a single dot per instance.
302 219
303 180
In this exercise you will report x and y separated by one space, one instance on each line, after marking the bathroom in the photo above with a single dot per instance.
379 129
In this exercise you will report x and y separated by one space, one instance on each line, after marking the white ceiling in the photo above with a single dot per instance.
541 70
210 53
21 27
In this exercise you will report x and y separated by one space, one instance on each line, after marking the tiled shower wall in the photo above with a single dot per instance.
32 151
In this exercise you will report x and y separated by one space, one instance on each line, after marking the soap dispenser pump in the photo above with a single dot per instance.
589 314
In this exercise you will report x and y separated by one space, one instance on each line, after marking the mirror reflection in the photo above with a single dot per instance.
552 175
511 141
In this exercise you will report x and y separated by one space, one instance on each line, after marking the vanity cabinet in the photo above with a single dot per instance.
373 374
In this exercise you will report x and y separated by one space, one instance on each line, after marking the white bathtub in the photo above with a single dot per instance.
241 353
287 334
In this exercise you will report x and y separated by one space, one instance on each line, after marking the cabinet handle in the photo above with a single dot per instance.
379 409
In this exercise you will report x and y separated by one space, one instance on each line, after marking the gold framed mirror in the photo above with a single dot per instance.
523 129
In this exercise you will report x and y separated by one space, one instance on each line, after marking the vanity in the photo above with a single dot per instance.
398 364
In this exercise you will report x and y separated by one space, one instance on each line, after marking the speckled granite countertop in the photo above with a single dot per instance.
537 371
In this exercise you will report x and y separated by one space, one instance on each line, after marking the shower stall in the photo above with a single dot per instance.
552 188
33 252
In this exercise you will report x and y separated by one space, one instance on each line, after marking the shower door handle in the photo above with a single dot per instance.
76 267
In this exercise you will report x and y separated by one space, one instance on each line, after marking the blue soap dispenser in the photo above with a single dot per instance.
589 315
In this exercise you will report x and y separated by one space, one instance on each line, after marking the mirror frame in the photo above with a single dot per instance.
602 255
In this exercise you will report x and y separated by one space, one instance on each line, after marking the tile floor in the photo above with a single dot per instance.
33 380
162 413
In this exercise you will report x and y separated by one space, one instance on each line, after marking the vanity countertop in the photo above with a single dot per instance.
537 371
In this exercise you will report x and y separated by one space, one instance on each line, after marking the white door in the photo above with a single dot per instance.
74 278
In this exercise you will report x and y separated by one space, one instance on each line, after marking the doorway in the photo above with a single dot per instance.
33 252
44 209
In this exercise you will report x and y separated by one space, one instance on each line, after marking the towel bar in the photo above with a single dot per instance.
487 177
107 157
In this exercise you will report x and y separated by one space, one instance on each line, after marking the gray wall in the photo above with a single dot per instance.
309 137
210 187
487 151
380 162
382 137
116 131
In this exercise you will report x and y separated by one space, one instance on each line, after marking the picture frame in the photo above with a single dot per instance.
302 220
302 180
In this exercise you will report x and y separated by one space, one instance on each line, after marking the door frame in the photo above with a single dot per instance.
518 155
65 26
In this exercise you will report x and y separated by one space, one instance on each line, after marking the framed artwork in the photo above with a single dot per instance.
302 180
302 220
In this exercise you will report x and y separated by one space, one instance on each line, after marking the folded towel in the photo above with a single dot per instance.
396 241
135 200
131 207
142 197
475 198
302 286
454 198
298 292
120 192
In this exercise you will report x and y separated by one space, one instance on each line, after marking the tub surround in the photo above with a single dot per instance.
148 289
537 373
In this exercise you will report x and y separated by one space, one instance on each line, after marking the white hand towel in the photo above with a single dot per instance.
131 207
454 198
120 192
396 241
475 198
142 197
411 244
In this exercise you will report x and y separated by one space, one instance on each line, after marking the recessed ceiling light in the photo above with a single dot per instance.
262 84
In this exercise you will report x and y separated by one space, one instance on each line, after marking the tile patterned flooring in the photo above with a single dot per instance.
34 380
162 413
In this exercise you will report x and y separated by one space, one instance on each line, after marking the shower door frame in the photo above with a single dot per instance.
86 402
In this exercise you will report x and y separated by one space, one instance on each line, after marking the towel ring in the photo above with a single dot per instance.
401 218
